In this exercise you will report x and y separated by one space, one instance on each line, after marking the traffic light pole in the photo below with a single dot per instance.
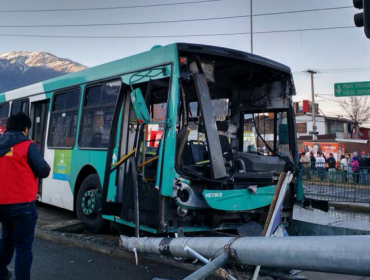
314 127
251 2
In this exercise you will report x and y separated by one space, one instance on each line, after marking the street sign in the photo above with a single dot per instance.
313 132
352 89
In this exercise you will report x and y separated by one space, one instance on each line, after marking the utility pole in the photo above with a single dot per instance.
314 127
251 2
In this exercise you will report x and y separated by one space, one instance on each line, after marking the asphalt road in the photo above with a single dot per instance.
58 261
68 260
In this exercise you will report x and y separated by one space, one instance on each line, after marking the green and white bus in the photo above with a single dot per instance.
156 140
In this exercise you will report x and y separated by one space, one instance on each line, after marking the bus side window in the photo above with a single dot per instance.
63 119
4 112
97 114
20 106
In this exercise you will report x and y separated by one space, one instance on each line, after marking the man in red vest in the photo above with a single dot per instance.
20 165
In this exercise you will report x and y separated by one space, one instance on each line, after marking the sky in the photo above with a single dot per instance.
338 55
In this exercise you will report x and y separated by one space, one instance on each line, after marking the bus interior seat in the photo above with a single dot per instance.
96 140
199 151
227 130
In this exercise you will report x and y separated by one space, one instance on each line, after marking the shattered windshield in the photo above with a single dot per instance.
231 114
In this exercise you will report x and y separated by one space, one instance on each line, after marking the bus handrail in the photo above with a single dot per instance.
124 158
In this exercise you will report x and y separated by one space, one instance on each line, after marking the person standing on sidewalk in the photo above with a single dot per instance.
363 167
20 165
305 161
320 166
356 170
344 168
331 166
313 163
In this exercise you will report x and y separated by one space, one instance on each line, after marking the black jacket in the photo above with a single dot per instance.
38 165
331 162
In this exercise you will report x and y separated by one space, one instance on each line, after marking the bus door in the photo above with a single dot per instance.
39 117
147 139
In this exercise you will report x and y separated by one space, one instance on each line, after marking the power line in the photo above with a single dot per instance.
304 11
170 36
302 83
339 70
107 8
304 29
126 23
166 21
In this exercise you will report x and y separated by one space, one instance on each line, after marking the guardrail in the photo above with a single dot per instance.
337 185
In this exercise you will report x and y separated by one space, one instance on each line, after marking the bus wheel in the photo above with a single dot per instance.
88 204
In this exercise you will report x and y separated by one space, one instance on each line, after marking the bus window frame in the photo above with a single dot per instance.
20 100
1 105
51 107
83 107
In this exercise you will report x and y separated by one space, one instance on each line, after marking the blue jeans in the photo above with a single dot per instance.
18 228
321 173
363 173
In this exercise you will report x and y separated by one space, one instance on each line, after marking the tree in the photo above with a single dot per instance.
358 108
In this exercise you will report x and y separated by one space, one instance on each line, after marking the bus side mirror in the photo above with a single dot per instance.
140 108
283 134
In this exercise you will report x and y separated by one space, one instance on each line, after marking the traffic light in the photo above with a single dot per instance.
363 19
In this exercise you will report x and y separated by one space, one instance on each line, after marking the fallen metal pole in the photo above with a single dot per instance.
209 268
335 254
220 271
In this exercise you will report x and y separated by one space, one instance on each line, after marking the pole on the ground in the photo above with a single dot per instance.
334 254
209 268
220 271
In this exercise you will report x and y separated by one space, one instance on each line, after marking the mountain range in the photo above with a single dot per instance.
19 69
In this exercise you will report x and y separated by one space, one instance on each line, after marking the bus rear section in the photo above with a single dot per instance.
204 144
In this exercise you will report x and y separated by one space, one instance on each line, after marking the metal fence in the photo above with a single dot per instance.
337 185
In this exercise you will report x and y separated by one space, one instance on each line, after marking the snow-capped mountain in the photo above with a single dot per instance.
18 69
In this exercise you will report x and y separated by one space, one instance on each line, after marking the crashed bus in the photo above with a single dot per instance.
203 174
181 138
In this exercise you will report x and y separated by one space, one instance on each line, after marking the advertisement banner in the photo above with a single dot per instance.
337 149
62 164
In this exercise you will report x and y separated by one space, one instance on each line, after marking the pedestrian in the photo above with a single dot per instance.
313 163
349 160
355 170
320 166
316 148
20 165
344 167
331 166
349 167
305 162
363 161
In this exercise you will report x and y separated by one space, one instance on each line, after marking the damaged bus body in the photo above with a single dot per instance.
202 141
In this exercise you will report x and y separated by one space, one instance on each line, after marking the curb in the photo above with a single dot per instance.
350 207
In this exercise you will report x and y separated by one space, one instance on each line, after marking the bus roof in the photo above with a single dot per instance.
155 56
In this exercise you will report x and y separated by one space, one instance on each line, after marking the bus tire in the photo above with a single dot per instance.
88 204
